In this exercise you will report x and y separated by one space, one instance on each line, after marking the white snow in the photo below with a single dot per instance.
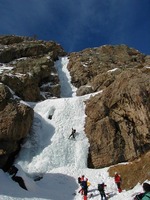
23 58
84 64
148 67
67 89
4 67
112 70
48 153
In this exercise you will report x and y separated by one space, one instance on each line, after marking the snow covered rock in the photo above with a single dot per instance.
32 67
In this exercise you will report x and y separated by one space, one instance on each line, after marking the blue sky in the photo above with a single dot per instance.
79 24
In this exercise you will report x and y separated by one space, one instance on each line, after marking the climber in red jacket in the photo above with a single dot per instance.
118 181
81 180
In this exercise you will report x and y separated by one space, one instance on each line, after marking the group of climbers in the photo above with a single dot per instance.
101 186
84 183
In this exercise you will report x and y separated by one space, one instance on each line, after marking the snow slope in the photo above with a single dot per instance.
49 154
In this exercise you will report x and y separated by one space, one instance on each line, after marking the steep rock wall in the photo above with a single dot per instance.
15 122
33 76
117 122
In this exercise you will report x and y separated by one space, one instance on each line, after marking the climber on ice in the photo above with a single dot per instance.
72 133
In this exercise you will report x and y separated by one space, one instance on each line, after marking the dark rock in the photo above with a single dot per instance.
13 171
20 181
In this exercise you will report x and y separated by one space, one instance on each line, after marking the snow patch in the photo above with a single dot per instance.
112 70
4 67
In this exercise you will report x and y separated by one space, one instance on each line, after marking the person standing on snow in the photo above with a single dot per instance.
80 181
146 188
72 133
84 183
118 181
101 189
144 195
85 188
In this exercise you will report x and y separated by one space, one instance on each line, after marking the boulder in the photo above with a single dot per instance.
129 171
13 170
86 89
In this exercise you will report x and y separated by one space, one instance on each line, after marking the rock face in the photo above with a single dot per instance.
117 123
27 70
15 122
134 172
98 67
33 76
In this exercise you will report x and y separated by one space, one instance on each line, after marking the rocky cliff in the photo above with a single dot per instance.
33 76
117 122
27 73
15 122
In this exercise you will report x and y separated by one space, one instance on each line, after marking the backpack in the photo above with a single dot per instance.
84 184
139 196
79 180
101 187
73 131
146 195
